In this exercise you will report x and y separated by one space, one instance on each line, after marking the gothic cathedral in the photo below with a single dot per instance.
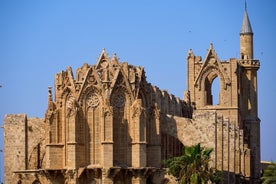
107 124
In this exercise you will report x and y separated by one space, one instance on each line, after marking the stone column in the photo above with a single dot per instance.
139 146
105 178
71 176
107 137
139 154
138 180
71 143
70 124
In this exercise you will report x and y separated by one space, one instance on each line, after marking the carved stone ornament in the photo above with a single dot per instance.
93 101
156 111
119 100
91 79
137 109
67 81
70 106
70 175
104 64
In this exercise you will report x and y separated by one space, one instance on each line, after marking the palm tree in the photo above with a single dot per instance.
192 166
269 175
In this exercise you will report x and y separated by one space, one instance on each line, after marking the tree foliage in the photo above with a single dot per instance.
193 166
269 175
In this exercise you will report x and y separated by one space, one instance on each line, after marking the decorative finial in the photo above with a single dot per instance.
245 5
50 98
211 46
190 53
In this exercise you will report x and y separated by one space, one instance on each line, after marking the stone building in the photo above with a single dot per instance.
109 125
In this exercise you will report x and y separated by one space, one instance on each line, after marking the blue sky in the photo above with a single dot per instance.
40 38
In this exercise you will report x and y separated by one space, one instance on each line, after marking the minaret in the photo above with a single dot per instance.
250 67
249 102
246 38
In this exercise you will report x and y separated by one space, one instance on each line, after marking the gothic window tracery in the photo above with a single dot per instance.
119 100
92 101
121 136
93 135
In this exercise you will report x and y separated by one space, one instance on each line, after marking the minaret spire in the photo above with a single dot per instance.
246 26
246 37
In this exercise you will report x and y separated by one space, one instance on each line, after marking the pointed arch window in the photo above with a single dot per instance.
215 91
212 90
93 114
121 137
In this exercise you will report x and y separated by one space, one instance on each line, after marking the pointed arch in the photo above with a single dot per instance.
120 101
92 103
142 95
207 82
103 58
87 90
66 91
215 90
91 79
211 63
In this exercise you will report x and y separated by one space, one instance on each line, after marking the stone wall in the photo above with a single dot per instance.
24 144
230 154
15 127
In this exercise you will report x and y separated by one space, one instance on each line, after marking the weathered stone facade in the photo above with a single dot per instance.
109 125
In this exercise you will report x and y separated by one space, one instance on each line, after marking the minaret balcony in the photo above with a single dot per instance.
250 63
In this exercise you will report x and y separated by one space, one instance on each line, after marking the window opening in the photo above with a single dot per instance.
215 91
